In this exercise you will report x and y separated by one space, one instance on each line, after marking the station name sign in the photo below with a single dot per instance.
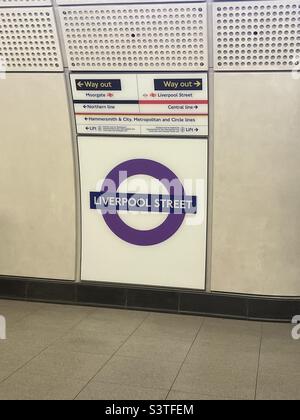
154 203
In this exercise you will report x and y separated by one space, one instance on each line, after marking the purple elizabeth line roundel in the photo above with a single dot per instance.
133 236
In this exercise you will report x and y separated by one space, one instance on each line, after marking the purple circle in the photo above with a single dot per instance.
144 237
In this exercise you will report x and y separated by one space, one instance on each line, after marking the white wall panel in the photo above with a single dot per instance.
256 202
37 206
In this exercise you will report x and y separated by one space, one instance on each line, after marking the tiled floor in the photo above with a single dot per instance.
64 352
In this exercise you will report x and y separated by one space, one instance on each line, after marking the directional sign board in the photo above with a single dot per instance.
141 104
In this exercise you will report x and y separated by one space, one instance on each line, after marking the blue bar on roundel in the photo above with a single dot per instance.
148 203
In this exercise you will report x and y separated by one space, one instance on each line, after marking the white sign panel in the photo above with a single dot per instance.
141 104
144 204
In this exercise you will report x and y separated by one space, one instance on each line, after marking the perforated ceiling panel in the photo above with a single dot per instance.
136 37
257 35
22 3
28 40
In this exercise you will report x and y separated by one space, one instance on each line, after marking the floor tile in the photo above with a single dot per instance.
155 349
15 352
93 342
110 321
15 311
7 369
278 337
280 346
15 359
75 366
139 372
182 327
52 307
107 391
210 378
278 387
184 396
280 363
20 305
206 352
33 337
44 318
243 335
22 386
276 330
234 324
118 314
